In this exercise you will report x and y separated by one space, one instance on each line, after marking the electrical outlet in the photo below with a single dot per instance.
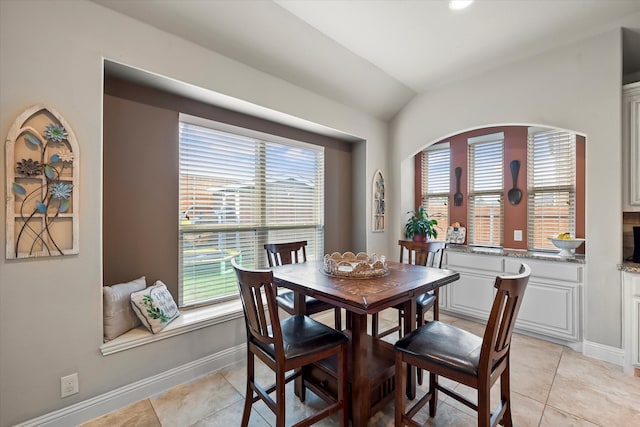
69 385
517 235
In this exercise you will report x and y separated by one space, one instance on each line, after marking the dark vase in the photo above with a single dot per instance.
419 238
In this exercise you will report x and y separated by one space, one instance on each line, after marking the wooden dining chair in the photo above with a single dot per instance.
451 352
285 346
429 254
295 252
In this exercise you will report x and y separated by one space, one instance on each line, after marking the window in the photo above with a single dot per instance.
240 189
486 190
551 181
435 184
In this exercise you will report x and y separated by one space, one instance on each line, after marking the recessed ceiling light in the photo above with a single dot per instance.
459 4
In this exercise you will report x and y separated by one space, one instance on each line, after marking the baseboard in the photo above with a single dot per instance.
139 390
603 352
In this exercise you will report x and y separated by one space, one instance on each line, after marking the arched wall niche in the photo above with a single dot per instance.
515 149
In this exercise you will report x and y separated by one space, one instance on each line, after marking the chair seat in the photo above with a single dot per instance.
444 345
302 336
286 299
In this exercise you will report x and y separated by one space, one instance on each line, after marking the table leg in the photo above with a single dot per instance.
409 325
360 393
299 306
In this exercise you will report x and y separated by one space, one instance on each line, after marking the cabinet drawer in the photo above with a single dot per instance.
471 262
562 271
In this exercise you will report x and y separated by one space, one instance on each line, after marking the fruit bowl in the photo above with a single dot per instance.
567 246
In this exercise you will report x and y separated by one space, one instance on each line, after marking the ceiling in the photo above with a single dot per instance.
375 55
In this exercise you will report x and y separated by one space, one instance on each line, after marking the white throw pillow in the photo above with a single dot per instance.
155 307
117 314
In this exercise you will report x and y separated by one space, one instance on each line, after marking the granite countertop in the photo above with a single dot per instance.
630 267
514 253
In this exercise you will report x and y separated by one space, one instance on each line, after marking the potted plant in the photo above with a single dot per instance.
420 227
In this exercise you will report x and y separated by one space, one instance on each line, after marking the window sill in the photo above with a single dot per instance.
189 320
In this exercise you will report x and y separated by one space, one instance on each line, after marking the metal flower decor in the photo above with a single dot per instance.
52 198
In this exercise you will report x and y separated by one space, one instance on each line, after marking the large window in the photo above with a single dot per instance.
551 186
436 178
486 190
240 189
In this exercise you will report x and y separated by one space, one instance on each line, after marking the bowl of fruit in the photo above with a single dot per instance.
566 243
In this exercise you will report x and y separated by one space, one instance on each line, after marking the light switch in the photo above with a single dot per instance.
517 235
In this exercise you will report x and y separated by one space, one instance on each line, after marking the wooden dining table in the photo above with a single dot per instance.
371 361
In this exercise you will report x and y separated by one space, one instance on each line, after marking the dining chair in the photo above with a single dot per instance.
285 346
451 352
295 252
429 254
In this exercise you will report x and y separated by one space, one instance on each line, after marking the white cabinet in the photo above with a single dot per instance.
631 146
551 305
631 327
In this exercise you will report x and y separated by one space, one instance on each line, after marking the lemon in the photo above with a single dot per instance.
564 236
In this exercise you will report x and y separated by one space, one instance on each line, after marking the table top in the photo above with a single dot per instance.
362 296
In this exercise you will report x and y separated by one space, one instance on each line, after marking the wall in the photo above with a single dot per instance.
575 87
50 309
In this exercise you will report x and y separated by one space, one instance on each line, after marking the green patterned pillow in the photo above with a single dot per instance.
154 306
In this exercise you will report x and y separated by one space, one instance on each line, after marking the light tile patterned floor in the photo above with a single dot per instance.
552 386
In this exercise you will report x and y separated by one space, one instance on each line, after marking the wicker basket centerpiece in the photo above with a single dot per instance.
352 265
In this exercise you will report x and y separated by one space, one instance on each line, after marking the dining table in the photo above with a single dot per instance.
371 360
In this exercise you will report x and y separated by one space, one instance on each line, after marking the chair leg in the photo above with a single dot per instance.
343 392
248 395
280 398
337 318
400 328
433 401
484 403
505 395
419 322
399 392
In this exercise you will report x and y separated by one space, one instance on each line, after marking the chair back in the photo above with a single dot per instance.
286 253
262 327
429 254
506 304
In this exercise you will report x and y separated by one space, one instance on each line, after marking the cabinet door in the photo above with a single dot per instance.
635 331
550 309
472 295
631 138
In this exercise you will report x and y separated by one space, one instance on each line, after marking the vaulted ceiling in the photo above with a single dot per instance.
375 55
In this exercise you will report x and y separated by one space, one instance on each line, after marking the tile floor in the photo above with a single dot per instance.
552 386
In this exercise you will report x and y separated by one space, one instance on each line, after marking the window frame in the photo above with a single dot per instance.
261 228
496 191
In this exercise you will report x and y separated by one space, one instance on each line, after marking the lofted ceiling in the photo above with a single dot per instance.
375 55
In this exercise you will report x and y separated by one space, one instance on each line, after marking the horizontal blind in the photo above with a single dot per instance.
551 181
238 192
436 166
486 188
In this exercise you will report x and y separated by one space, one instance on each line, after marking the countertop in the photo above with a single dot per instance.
630 267
514 253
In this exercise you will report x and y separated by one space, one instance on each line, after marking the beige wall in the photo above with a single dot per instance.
50 309
576 87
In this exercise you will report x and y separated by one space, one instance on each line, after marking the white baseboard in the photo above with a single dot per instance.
603 352
139 390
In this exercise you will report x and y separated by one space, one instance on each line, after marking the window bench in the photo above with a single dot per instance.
189 320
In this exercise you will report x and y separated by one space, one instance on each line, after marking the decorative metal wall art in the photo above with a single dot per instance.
379 207
42 173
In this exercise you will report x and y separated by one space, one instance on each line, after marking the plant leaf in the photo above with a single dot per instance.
55 158
18 189
48 171
64 206
30 138
41 207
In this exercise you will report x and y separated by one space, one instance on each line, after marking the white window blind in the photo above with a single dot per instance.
551 181
486 189
436 166
240 189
